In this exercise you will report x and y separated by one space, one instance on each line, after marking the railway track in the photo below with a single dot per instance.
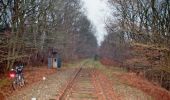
86 84
80 87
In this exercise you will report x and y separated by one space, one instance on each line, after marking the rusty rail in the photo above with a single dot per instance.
69 85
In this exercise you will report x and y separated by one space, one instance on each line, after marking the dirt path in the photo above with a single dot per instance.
47 89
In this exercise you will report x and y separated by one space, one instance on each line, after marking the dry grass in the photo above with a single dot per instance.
122 88
151 46
155 91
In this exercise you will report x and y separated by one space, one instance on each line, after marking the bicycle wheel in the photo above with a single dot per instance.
22 82
14 85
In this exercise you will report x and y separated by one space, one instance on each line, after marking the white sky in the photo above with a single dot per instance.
97 11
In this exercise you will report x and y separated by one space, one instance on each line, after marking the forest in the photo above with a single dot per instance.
138 37
32 28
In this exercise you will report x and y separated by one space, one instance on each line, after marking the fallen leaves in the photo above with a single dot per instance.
32 75
154 90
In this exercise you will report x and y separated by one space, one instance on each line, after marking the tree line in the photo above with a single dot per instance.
30 28
140 23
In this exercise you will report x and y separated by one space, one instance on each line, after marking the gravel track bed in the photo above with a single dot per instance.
81 88
47 89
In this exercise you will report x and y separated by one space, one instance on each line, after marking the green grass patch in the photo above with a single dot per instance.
77 64
108 70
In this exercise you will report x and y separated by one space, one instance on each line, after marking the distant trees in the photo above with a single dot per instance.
30 27
86 43
114 48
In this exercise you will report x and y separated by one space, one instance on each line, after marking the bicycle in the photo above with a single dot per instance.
17 77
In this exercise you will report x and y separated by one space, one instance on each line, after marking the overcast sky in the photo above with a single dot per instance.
97 11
